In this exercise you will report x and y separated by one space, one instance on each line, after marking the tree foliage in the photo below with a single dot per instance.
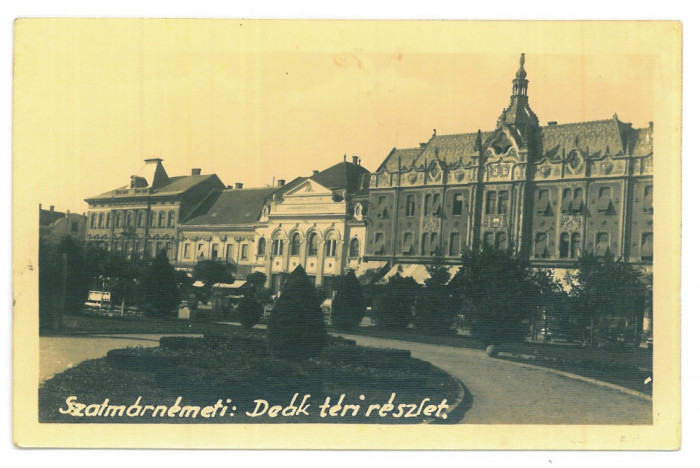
435 306
394 303
159 287
349 303
295 329
604 287
249 309
502 292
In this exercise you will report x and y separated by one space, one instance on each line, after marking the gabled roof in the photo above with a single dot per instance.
450 148
175 186
231 207
342 176
406 155
594 137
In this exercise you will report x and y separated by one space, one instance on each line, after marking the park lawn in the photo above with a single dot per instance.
236 369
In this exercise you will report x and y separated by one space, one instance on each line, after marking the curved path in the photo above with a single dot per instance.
505 392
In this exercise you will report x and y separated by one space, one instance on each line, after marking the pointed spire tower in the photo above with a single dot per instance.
519 113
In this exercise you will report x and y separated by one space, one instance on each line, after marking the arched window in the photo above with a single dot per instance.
491 203
457 203
564 244
379 243
488 239
410 205
647 247
575 245
331 245
425 244
261 246
294 244
407 245
434 245
355 248
502 202
501 243
277 244
426 204
605 204
312 250
543 207
437 204
567 201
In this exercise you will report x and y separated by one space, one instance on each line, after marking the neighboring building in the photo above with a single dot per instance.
54 226
317 222
223 229
550 192
142 217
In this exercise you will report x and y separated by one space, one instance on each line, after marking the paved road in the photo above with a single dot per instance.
503 392
508 393
58 353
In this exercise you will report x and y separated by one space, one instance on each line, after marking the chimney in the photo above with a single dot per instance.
196 171
51 208
281 182
238 185
354 160
651 124
552 123
315 171
39 205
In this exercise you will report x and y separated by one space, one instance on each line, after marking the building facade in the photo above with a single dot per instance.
223 229
550 192
317 222
54 226
142 217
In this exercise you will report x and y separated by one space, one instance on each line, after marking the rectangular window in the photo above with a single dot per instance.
543 206
457 203
214 251
159 248
541 250
437 204
647 248
74 226
605 204
330 247
149 248
434 245
407 245
109 220
229 252
649 199
100 221
410 205
244 251
491 203
575 245
488 240
152 219
425 244
564 244
503 202
577 204
379 244
455 244
567 201
277 246
382 211
171 219
93 219
186 251
602 244
501 243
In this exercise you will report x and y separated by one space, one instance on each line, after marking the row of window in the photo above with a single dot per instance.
227 254
570 245
429 244
129 219
330 246
134 247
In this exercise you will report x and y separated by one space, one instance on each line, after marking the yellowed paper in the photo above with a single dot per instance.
255 100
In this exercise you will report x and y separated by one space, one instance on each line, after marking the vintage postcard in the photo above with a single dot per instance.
346 234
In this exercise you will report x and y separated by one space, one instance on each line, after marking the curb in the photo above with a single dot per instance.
457 406
600 383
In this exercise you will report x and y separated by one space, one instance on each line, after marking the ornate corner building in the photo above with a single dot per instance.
550 192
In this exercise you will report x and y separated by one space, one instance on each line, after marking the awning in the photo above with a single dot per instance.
367 266
418 272
235 285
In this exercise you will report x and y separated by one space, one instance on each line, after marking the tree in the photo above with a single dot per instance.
500 292
605 288
296 330
349 303
159 287
257 280
395 301
211 272
435 307
249 309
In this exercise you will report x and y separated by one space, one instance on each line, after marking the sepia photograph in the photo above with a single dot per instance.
291 233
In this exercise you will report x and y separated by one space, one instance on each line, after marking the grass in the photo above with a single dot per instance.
233 366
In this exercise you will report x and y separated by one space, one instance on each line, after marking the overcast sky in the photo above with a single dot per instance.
253 101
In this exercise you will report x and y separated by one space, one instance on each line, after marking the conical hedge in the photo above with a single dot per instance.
250 310
295 330
349 303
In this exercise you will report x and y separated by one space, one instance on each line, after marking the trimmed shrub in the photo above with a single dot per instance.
393 305
296 330
349 303
160 293
249 310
